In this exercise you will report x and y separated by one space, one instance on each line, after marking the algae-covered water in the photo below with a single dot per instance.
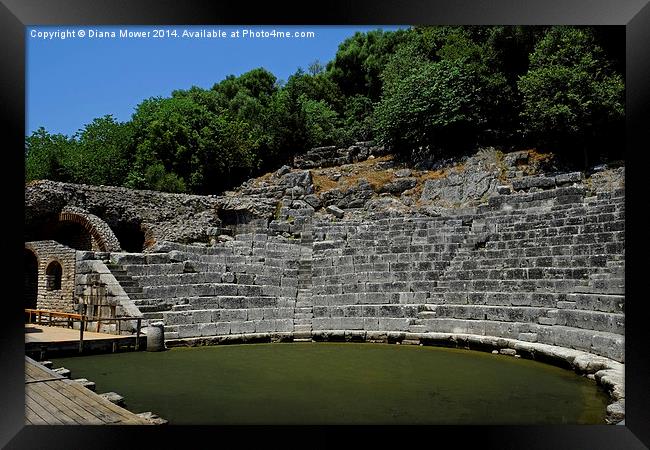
342 383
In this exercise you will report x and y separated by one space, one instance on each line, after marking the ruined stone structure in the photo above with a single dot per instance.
49 276
495 253
332 155
60 278
99 235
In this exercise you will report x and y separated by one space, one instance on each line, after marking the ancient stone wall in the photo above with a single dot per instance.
491 253
54 295
378 275
155 216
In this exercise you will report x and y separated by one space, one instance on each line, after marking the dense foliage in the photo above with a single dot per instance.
424 92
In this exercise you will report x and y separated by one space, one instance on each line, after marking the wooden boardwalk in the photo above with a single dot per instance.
42 342
43 334
51 399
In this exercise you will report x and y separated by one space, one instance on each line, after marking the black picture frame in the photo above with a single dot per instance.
15 15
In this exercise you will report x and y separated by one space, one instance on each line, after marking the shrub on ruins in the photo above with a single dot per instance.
572 98
157 178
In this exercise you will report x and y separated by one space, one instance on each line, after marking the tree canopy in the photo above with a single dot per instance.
423 92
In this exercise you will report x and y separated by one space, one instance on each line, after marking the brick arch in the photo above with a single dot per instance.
99 230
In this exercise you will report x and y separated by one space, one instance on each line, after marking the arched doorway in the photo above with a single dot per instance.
30 290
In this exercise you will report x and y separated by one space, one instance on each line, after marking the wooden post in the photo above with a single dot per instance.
137 335
81 335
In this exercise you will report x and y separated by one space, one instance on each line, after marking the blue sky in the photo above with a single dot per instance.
73 80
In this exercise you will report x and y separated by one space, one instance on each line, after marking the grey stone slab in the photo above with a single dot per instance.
201 316
352 323
185 331
222 328
207 329
243 327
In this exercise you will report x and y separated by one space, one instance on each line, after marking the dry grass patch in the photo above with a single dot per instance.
376 178
361 170
322 182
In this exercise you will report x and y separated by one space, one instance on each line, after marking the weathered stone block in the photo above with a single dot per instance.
284 325
393 324
335 211
186 331
255 314
222 328
207 329
244 327
232 315
352 323
201 316
528 337
177 318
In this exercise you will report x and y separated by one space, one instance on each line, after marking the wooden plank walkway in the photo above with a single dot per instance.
51 399
44 334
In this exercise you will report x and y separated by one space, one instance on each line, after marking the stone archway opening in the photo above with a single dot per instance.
53 275
130 235
30 287
74 235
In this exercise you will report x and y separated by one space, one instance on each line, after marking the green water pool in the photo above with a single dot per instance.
342 383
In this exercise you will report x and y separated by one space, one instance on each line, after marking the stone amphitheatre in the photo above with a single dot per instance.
498 252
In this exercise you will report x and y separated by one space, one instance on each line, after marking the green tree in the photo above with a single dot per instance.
45 156
321 123
572 99
359 61
102 154
358 123
302 114
201 149
432 110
